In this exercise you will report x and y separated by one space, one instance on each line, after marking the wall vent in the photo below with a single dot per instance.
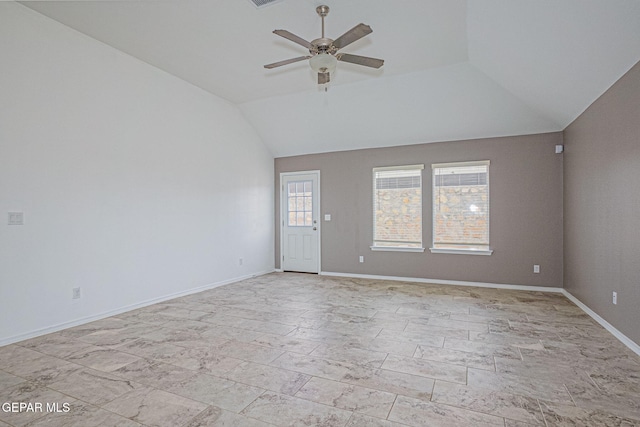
263 3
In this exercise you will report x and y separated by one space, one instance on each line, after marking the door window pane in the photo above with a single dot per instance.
300 204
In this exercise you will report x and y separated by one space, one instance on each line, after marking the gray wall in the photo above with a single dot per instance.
602 205
526 210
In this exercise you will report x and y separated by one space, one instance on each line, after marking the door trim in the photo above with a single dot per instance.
283 211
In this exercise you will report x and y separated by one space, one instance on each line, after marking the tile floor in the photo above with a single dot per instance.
304 350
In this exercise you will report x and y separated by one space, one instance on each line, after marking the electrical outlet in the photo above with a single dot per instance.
536 268
76 293
361 258
615 298
240 261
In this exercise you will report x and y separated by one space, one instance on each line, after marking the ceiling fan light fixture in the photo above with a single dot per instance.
323 63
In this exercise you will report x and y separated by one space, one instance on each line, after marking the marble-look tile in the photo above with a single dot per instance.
385 345
154 374
179 337
426 368
216 391
43 370
391 382
354 356
268 377
102 359
150 349
253 325
455 357
57 345
155 407
83 415
588 395
622 378
525 386
484 348
29 392
278 342
346 396
483 319
203 360
218 417
113 337
364 329
108 324
231 333
6 379
439 331
140 316
541 370
492 402
546 348
514 340
418 413
315 366
424 314
413 337
93 386
12 356
572 416
285 410
248 352
328 337
360 420
166 309
187 324
456 324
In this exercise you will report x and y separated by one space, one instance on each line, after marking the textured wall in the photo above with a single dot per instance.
526 210
602 205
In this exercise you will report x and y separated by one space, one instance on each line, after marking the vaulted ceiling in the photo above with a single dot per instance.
454 69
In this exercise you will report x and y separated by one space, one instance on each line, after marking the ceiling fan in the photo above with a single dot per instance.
323 52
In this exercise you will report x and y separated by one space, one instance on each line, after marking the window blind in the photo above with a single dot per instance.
461 205
397 206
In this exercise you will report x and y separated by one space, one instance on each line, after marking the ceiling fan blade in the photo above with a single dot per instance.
290 36
286 62
360 60
323 78
356 33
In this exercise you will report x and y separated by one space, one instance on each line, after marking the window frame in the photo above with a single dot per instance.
465 251
398 248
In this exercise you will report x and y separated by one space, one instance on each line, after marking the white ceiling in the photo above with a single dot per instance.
454 69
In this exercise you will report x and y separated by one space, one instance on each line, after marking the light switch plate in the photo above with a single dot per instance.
16 218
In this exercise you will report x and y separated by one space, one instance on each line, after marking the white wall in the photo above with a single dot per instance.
135 185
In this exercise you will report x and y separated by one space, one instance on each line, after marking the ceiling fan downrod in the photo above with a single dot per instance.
322 11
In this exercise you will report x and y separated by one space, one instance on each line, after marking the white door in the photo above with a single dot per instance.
300 232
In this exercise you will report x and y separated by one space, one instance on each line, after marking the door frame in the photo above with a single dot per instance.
283 210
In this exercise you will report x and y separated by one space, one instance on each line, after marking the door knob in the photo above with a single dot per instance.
315 228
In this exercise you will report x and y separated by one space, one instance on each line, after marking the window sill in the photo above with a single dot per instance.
395 249
461 251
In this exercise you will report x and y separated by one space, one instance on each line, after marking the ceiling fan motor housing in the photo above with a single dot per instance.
323 45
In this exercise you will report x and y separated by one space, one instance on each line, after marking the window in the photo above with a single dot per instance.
461 208
300 204
397 208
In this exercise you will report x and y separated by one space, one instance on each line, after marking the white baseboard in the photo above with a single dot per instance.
446 282
93 318
608 326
